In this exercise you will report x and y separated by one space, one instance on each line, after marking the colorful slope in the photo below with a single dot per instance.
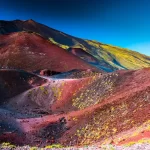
80 116
31 52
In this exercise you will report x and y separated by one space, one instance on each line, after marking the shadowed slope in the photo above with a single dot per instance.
83 54
14 82
91 59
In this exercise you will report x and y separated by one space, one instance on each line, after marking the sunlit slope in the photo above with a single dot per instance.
112 57
120 58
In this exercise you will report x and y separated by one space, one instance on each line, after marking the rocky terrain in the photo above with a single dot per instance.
73 96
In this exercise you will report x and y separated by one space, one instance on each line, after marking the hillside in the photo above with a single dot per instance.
95 109
15 82
31 52
72 92
110 57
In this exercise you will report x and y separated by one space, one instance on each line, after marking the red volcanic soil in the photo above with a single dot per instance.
31 52
52 96
125 107
108 108
143 135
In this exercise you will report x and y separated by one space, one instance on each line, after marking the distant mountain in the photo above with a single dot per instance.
109 57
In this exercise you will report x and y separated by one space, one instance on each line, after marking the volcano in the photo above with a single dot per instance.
110 58
56 89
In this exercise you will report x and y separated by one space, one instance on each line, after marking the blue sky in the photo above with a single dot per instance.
124 23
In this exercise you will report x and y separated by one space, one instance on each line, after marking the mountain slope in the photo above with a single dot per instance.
79 105
110 57
120 57
31 52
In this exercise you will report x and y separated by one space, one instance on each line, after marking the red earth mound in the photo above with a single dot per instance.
31 52
118 116
107 108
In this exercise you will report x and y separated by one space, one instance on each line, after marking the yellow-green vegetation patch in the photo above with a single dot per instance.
7 145
126 58
58 44
98 89
93 43
57 90
44 90
102 124
54 146
79 46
